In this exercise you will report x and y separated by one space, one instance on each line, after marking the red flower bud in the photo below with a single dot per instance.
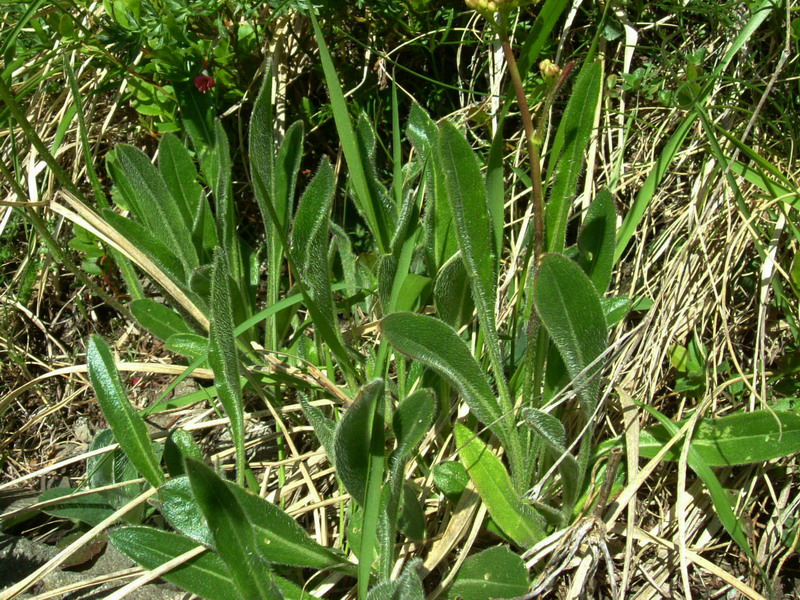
204 82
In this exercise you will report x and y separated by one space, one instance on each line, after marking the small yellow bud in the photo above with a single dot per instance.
551 72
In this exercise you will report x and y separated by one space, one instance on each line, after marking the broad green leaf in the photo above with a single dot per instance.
549 428
493 573
438 345
158 319
596 240
736 439
310 244
518 520
287 165
411 421
440 243
128 427
110 468
205 575
310 240
368 205
353 439
569 146
180 175
224 358
232 533
179 446
411 520
324 428
615 308
467 194
145 240
159 209
451 293
278 537
570 310
190 345
91 509
359 448
451 478
406 587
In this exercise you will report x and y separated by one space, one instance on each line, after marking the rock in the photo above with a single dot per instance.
20 557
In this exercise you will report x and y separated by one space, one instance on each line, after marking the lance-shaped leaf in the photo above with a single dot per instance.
451 293
359 448
155 204
369 205
569 307
223 357
177 168
569 146
205 575
438 345
128 427
597 240
278 537
160 320
518 520
232 533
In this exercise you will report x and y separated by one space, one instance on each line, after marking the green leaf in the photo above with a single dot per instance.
224 358
278 537
91 509
569 308
596 240
518 520
179 446
359 448
353 436
549 428
410 423
287 165
451 478
204 575
324 428
468 201
438 345
128 427
158 319
467 194
158 208
180 175
494 573
569 146
406 587
310 244
232 533
737 439
367 204
719 497
145 240
451 293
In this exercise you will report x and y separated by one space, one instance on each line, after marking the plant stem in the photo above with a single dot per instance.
537 196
